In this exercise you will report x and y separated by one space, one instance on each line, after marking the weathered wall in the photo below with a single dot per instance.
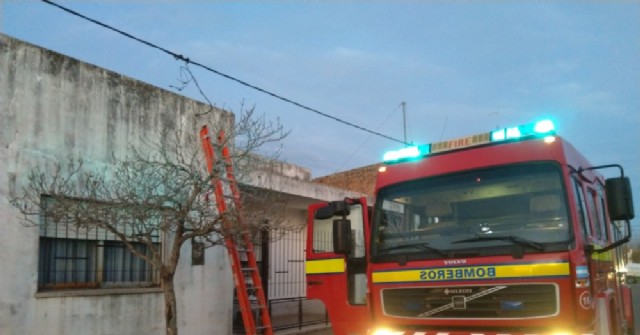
53 107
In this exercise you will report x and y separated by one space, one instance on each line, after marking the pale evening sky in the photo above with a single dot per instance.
461 67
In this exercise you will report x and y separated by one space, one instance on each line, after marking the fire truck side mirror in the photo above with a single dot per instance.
334 208
323 213
619 199
341 236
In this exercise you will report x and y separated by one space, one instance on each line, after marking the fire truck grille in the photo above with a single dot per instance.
472 302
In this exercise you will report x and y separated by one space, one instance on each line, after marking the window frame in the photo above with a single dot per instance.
95 243
581 208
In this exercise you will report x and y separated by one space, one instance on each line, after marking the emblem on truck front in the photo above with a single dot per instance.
455 261
460 301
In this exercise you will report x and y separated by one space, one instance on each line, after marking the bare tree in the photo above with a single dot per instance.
155 200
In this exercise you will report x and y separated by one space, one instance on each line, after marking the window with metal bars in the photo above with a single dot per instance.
72 257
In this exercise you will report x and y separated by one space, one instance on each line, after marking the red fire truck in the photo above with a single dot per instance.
505 232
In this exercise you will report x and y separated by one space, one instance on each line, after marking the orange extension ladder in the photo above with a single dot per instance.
241 275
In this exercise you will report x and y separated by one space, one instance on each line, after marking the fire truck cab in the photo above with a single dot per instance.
507 232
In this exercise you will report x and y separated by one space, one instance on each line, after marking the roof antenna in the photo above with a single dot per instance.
444 127
497 114
404 120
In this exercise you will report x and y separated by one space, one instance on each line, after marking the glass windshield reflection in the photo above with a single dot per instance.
521 205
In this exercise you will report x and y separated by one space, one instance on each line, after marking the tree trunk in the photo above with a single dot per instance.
170 305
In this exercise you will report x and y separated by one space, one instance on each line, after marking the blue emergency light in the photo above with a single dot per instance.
544 128
540 128
406 153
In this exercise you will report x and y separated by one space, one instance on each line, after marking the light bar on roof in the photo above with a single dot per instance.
544 126
540 128
406 153
543 129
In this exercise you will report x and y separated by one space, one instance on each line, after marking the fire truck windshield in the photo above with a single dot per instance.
482 212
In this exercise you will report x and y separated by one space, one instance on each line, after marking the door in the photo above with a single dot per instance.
339 280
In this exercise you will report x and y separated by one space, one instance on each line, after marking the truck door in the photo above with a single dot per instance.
339 280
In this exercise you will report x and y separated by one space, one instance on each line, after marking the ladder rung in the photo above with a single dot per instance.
251 287
257 308
242 248
249 269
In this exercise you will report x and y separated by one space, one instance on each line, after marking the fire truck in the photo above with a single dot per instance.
510 231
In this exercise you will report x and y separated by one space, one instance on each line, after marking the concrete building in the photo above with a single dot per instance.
53 107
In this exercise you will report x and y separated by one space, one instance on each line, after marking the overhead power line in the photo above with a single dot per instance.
205 67
368 138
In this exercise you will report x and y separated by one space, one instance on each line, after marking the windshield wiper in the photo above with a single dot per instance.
512 238
421 246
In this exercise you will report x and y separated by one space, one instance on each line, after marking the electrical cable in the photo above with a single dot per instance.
205 67
367 139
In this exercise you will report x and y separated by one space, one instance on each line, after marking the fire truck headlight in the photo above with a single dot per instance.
382 331
562 332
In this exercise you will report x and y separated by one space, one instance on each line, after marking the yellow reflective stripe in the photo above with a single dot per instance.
602 256
606 256
473 272
396 276
334 265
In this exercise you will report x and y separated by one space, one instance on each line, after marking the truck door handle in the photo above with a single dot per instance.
315 282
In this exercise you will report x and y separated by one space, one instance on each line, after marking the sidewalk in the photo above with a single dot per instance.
292 317
300 317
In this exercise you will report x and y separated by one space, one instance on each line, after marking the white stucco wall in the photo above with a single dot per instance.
52 106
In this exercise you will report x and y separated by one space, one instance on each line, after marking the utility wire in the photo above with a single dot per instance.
367 139
188 61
